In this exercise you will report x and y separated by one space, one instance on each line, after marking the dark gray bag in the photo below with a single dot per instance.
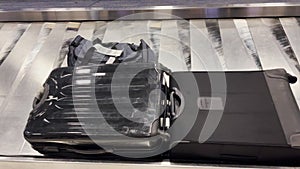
85 52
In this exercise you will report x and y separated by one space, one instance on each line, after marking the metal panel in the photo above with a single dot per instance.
184 36
14 32
71 30
216 10
247 40
235 53
5 32
10 68
99 30
2 99
292 29
11 42
171 53
204 55
154 28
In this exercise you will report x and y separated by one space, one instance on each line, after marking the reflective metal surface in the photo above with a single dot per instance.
219 10
31 163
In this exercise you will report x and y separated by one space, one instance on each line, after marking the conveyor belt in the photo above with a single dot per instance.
29 51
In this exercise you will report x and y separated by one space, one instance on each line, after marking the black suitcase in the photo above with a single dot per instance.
259 123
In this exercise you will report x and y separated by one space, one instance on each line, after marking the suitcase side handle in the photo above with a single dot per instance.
176 96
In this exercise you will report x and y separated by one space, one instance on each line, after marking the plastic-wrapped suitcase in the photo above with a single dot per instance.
87 106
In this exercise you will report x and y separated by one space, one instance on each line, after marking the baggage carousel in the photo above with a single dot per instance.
187 36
